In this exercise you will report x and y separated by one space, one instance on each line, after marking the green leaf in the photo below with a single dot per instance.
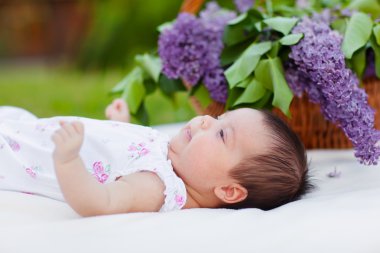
130 77
252 93
166 25
376 33
367 6
244 84
242 28
231 53
288 11
376 49
234 34
270 74
170 86
203 96
119 87
358 62
259 26
150 86
282 94
150 64
264 102
281 24
291 39
233 94
239 19
246 63
340 25
263 74
134 90
357 34
142 115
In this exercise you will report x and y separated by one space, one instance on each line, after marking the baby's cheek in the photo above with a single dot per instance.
202 153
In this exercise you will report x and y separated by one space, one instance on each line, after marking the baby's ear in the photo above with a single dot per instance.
232 193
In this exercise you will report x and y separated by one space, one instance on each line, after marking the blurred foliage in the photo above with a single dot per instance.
48 92
123 28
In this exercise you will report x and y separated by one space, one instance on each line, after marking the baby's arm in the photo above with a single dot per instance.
141 191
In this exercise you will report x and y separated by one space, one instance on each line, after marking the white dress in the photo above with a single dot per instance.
110 149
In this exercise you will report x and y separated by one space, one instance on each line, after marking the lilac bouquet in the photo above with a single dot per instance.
263 53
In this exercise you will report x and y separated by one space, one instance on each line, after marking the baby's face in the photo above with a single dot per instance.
206 149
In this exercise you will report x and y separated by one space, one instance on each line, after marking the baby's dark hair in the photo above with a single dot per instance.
277 176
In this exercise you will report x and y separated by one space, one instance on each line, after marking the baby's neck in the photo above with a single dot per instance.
191 203
197 200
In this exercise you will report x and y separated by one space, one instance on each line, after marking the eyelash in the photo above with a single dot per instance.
221 133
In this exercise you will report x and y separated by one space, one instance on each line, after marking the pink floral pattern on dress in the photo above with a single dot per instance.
13 144
32 171
137 150
179 199
100 172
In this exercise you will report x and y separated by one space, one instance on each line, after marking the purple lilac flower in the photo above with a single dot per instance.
318 68
346 12
216 84
243 5
215 18
302 4
191 49
183 49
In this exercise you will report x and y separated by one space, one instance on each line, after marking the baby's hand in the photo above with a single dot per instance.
118 110
68 140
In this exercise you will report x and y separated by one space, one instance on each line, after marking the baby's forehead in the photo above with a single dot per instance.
250 131
246 116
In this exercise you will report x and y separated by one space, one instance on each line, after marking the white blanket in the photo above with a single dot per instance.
341 215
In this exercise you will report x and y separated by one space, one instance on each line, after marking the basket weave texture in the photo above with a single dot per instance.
307 120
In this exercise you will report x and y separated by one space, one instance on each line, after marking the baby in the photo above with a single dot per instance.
244 158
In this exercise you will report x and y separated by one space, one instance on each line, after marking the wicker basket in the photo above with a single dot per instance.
307 120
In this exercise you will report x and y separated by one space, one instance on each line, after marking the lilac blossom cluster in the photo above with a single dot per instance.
243 5
317 66
191 49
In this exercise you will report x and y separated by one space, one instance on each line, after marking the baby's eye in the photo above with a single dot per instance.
221 133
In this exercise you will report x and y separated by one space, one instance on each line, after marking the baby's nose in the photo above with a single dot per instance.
206 121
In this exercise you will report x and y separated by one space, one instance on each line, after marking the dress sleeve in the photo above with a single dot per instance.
175 190
152 156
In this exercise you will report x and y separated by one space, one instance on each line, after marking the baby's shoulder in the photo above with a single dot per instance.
147 189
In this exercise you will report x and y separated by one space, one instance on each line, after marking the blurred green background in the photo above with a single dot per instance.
62 57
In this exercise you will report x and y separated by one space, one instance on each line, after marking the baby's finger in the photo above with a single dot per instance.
69 129
78 127
62 123
57 138
62 133
108 111
121 105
